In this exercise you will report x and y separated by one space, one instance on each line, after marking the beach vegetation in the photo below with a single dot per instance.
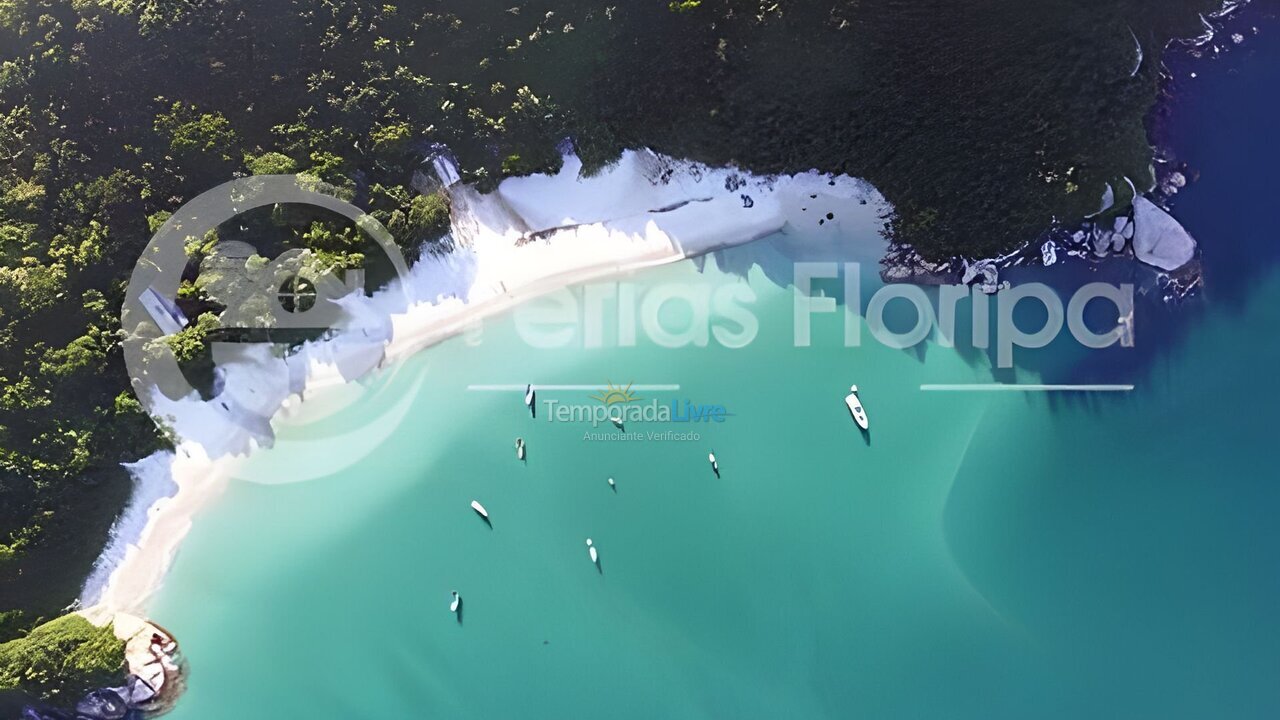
62 659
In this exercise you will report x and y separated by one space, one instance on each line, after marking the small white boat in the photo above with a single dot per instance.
475 505
855 407
612 484
715 466
529 396
591 550
519 448
456 603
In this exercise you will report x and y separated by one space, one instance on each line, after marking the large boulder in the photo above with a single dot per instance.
1158 239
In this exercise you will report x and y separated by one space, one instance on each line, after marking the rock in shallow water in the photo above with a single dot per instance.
1159 239
1049 253
1102 241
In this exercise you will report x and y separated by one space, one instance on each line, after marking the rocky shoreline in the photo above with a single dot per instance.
1145 230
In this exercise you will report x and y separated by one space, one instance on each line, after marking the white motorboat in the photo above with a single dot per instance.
519 448
456 603
591 550
855 408
612 484
715 466
529 396
475 505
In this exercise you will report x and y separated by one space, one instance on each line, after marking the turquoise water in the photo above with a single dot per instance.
980 556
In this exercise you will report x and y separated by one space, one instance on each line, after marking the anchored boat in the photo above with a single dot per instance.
591 550
855 408
529 397
475 505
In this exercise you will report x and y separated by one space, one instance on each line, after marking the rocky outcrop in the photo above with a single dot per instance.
903 264
1148 234
1159 239
985 273
155 676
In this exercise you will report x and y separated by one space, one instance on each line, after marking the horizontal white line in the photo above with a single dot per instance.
636 388
1005 387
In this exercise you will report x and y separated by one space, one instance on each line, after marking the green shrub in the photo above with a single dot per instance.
429 216
191 131
65 657
271 163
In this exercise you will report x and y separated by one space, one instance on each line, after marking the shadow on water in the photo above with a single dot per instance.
12 703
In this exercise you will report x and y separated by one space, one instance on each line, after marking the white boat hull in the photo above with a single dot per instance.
856 410
475 505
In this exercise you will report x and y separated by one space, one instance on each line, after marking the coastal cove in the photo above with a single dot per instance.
854 532
487 360
585 228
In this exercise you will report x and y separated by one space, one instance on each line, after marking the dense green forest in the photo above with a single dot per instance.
982 121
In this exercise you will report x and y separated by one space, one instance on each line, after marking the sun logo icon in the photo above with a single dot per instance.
614 394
